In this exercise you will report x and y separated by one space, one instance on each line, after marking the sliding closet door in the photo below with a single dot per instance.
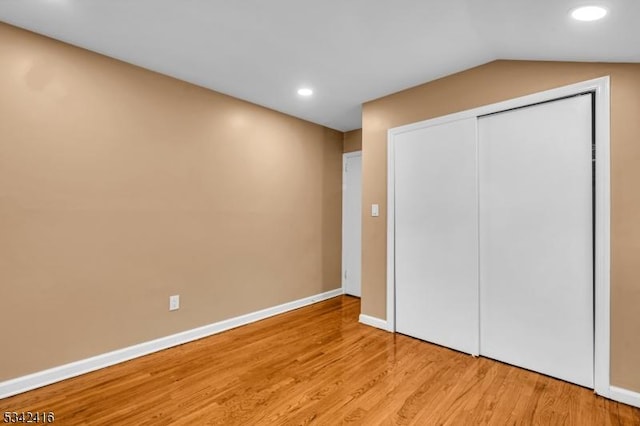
536 276
436 227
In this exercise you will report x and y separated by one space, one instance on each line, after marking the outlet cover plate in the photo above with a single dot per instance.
174 302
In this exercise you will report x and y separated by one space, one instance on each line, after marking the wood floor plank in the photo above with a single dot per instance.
318 365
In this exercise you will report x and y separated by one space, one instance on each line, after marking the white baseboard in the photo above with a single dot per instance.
625 396
56 374
374 322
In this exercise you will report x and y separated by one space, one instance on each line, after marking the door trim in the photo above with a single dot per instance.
601 89
345 157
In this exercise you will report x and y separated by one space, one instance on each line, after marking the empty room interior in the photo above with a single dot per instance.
338 212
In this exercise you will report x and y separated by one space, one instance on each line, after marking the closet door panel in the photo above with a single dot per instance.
436 232
536 264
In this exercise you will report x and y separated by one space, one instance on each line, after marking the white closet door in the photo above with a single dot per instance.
436 232
536 277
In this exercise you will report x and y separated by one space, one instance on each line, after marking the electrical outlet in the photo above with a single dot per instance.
174 302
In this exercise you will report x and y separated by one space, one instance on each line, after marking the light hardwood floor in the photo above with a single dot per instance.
318 365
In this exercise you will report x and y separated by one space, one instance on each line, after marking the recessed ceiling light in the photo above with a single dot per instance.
588 13
305 91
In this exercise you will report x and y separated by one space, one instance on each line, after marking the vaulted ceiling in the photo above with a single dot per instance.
348 51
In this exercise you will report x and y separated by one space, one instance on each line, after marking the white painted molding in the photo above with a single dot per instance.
56 374
625 396
602 354
374 322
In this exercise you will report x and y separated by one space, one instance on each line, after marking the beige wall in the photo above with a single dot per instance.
498 81
352 141
120 187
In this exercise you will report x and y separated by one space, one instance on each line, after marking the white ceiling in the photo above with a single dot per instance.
348 51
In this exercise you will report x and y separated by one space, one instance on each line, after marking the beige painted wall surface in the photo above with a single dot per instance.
120 187
352 141
498 81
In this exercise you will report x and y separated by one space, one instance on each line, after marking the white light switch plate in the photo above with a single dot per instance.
375 210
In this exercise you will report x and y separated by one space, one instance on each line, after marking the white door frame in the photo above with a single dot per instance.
345 157
601 88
